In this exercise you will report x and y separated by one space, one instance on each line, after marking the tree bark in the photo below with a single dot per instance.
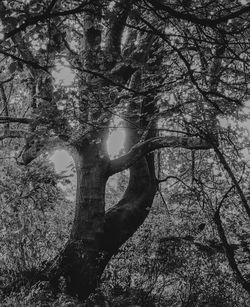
127 216
80 260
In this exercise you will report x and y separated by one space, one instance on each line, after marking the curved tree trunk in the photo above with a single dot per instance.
126 217
96 236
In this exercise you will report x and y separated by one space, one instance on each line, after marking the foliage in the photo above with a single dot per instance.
35 218
168 271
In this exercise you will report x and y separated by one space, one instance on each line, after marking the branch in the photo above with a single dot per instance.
113 41
35 65
7 80
41 18
143 148
235 182
51 6
212 23
230 253
22 120
12 134
5 105
190 71
35 147
114 83
211 247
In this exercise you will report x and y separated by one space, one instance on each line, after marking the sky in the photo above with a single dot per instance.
61 160
244 2
63 74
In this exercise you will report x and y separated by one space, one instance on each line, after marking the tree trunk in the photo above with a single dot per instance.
97 236
80 260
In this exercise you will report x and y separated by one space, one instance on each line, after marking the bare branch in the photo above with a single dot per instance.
143 148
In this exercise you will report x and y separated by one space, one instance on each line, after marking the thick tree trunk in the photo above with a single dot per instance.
80 260
97 236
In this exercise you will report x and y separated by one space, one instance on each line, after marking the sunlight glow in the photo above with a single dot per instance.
115 142
61 160
63 74
244 2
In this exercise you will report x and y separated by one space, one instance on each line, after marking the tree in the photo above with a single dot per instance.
177 61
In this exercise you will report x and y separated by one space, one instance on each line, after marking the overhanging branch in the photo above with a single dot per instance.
143 148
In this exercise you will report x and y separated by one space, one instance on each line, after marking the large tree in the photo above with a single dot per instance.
183 62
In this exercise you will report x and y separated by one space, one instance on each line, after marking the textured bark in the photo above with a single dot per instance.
80 260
